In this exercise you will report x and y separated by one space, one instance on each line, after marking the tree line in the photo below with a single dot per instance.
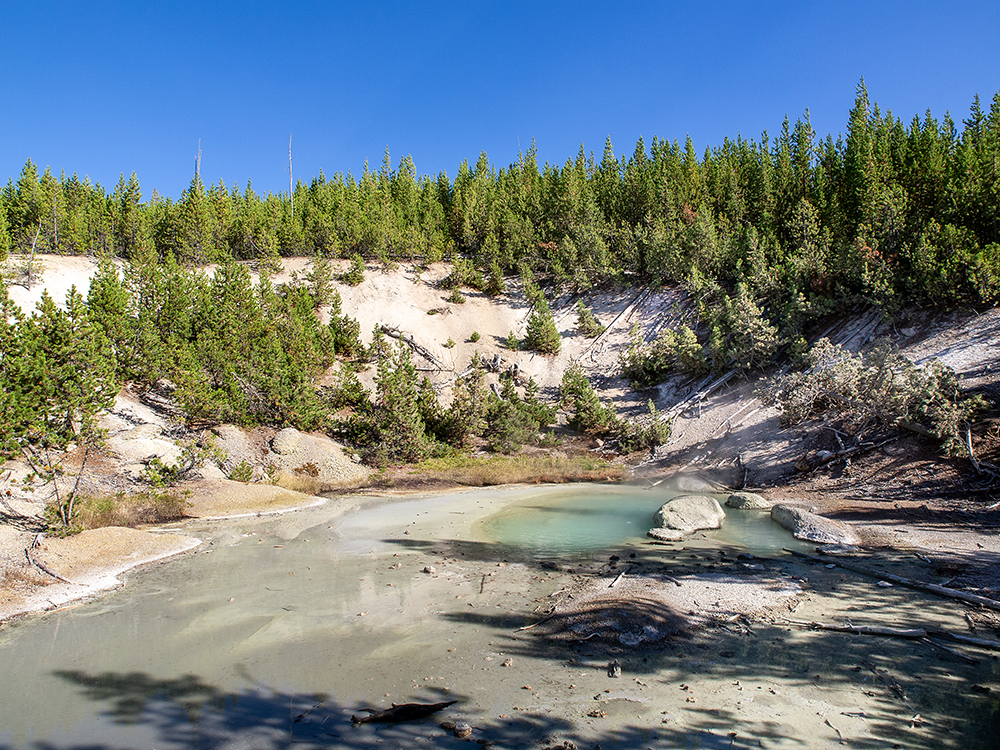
768 235
890 212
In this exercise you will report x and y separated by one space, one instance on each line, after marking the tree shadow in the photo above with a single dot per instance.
655 638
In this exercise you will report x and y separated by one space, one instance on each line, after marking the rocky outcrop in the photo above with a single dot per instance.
294 459
684 515
811 527
315 457
748 501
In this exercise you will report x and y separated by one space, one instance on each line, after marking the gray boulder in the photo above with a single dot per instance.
684 515
313 460
287 442
811 527
748 501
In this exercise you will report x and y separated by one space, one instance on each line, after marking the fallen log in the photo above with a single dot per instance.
912 633
401 712
45 569
968 640
932 588
950 651
423 351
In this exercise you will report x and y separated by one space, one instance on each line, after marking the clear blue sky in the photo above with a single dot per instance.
101 88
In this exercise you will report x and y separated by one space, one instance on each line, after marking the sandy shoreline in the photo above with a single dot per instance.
92 561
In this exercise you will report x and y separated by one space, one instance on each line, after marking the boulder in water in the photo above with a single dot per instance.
686 514
812 527
748 501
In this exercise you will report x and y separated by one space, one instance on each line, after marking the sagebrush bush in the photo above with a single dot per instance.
873 392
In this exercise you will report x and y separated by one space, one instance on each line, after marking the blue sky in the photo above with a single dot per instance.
101 88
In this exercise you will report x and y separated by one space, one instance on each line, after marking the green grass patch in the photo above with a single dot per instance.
129 510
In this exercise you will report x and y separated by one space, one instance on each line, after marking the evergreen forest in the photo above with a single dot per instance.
788 227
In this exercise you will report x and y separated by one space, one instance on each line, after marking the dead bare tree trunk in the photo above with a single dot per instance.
31 259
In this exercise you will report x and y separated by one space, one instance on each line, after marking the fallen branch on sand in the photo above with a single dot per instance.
968 640
620 576
913 633
401 712
950 651
917 634
44 569
535 624
423 351
932 588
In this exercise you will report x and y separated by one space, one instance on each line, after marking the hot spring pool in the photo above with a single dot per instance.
558 521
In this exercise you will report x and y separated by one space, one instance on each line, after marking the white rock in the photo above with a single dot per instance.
812 527
686 514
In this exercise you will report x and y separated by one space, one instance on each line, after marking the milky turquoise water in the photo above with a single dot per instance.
556 521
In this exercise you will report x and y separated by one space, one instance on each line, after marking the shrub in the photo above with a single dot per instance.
513 421
672 350
474 337
242 472
194 454
871 393
355 274
586 322
634 435
464 273
456 297
129 510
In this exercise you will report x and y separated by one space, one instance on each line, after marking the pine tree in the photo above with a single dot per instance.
5 243
401 435
541 334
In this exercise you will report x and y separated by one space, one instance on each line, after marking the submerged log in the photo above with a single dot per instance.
401 712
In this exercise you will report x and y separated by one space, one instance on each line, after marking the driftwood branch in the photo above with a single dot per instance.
848 452
987 643
44 569
912 633
932 588
620 576
916 634
700 395
536 624
950 651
